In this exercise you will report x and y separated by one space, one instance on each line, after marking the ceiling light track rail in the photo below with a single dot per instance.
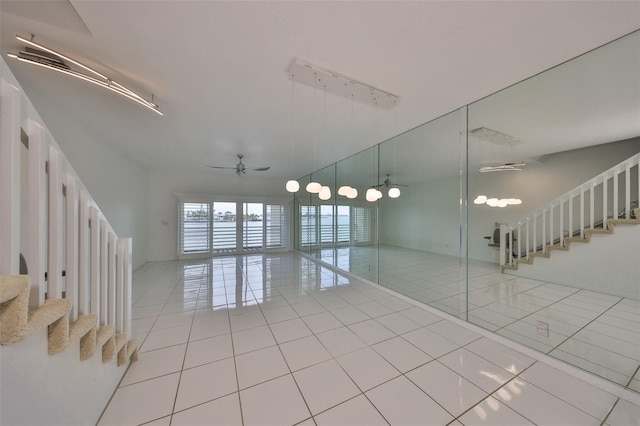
50 59
314 76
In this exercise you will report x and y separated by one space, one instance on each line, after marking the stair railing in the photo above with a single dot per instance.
48 216
587 206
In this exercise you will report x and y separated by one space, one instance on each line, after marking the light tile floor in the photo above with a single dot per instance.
596 332
279 340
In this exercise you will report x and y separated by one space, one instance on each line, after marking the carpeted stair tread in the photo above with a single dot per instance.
12 285
104 333
132 349
14 311
82 326
50 312
568 240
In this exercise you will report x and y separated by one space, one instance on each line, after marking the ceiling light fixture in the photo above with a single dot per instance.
314 187
292 184
52 60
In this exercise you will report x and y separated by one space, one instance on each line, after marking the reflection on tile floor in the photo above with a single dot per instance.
596 332
279 340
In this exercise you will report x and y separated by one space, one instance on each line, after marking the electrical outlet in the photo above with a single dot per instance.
543 328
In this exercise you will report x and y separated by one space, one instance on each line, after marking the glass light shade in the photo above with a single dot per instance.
313 187
371 195
344 190
514 201
325 193
394 192
378 193
480 199
293 185
493 202
353 193
502 203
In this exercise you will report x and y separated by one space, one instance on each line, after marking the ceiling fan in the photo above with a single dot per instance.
387 183
240 168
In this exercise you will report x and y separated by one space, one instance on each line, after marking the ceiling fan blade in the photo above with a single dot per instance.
220 167
261 169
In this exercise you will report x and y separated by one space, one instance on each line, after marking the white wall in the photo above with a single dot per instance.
162 217
119 186
42 389
425 217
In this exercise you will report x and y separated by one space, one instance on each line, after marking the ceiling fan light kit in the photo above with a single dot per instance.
47 58
240 168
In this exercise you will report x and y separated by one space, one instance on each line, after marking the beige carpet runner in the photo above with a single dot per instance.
17 322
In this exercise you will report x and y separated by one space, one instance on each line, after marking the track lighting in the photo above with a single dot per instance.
52 60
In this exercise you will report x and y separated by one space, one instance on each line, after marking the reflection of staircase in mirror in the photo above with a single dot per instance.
560 230
565 244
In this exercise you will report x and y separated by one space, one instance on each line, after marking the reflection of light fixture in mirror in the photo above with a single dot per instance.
480 199
52 60
493 202
344 190
325 193
313 187
292 184
371 195
394 192
506 167
353 193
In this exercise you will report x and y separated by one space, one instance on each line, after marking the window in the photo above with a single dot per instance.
195 228
276 226
308 225
210 228
361 225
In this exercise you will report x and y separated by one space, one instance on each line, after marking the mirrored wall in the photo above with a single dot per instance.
517 213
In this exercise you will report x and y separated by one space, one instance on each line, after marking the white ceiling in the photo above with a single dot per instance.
218 70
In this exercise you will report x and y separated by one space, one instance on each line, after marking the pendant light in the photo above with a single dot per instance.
394 192
314 187
292 185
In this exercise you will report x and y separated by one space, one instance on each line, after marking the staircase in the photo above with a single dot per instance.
594 207
18 322
566 242
65 279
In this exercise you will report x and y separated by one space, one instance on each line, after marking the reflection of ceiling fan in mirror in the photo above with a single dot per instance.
240 168
388 184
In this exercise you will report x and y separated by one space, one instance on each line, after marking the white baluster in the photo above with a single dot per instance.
616 207
561 224
9 178
120 286
503 248
95 261
527 242
551 225
591 205
535 233
104 256
571 201
71 267
54 272
37 205
544 230
582 212
128 271
604 202
84 255
111 308
627 191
